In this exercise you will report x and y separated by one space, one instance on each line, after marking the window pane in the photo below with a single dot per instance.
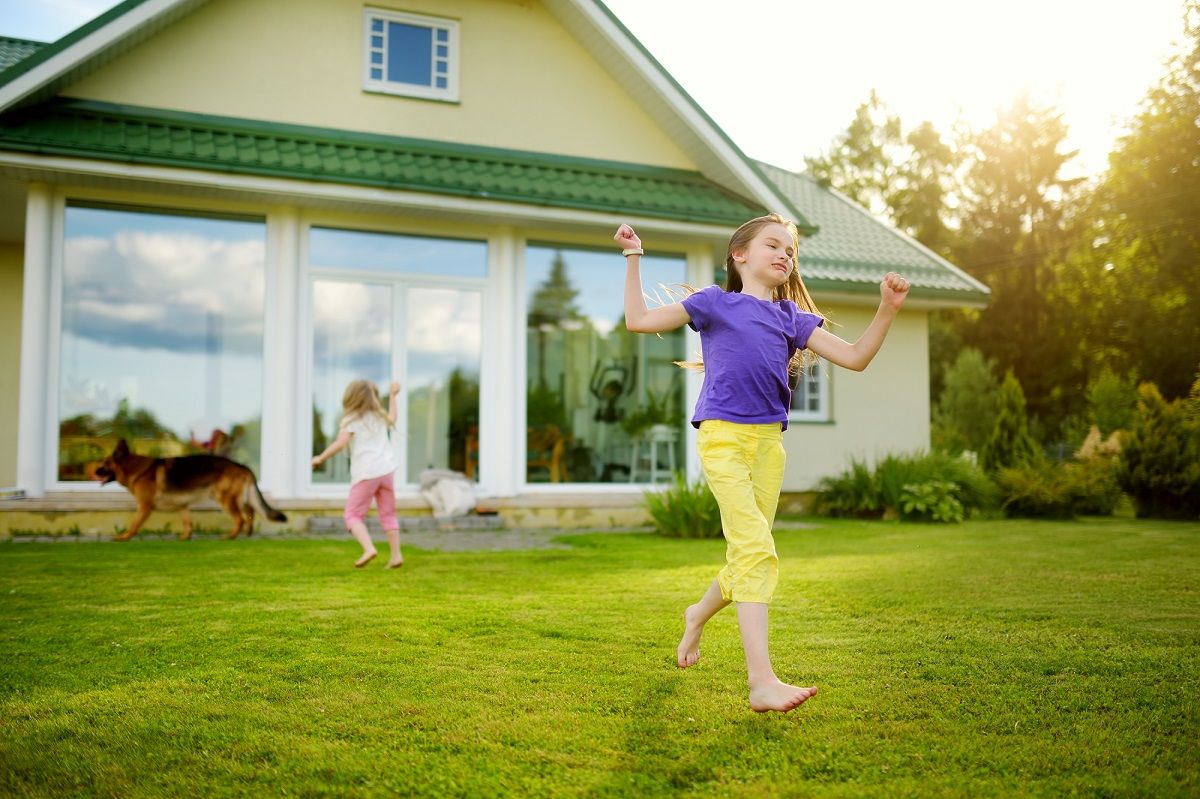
352 340
444 338
377 42
602 404
376 74
162 326
441 68
384 252
441 83
377 25
410 54
443 35
443 51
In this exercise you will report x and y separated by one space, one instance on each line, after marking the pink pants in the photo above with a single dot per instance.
381 490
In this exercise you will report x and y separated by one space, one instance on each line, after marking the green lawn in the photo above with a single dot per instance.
988 659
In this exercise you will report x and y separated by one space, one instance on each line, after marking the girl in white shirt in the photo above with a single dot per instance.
365 428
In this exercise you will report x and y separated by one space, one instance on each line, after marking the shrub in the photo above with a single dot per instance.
922 481
685 511
1060 491
1159 465
935 501
854 492
1010 443
962 418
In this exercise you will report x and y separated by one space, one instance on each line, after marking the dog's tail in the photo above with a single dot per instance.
260 505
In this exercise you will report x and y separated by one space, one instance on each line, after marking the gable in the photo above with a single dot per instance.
525 82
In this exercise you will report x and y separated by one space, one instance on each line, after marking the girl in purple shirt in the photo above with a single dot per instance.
755 333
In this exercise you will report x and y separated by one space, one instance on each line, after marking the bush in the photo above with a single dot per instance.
924 482
851 493
1159 464
935 501
1010 444
1060 491
685 511
962 418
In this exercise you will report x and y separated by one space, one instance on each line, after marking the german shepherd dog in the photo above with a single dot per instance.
176 483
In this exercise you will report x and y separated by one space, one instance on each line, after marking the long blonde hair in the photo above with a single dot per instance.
361 399
793 290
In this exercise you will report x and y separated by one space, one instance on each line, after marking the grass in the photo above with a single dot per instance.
988 659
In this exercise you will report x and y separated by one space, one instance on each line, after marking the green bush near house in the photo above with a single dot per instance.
685 510
931 486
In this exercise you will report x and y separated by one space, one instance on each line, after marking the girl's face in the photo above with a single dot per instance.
769 257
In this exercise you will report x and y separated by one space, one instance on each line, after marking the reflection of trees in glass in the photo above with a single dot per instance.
552 304
85 440
464 415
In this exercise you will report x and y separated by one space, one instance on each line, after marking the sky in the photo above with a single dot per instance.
782 77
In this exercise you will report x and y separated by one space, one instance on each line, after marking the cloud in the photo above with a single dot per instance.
165 290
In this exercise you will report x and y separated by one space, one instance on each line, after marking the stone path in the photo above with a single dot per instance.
451 540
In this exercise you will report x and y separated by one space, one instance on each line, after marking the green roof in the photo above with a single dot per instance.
854 249
14 50
127 134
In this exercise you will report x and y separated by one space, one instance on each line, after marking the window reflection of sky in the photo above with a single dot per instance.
330 248
166 311
599 277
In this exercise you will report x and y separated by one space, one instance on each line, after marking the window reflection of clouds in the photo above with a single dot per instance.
168 282
331 248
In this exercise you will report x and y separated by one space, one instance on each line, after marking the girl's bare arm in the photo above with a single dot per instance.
338 444
639 318
893 290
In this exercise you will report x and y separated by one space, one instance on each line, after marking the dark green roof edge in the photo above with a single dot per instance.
739 208
817 284
57 46
805 227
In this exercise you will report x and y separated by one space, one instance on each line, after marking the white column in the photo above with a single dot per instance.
280 396
701 265
34 404
502 376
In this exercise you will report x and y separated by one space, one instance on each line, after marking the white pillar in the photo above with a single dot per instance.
502 375
280 397
34 405
701 266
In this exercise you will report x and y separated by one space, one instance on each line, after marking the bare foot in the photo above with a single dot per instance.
688 653
395 564
779 696
365 559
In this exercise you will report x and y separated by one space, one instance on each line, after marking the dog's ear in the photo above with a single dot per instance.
122 448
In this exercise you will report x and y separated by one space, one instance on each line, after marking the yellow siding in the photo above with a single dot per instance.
882 410
11 259
525 83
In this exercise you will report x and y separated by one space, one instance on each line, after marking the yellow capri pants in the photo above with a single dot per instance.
743 464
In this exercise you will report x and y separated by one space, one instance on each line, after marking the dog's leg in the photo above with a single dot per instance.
231 507
187 525
248 512
135 524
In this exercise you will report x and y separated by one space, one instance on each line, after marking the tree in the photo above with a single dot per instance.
1160 458
862 162
965 413
1014 227
1010 443
1138 261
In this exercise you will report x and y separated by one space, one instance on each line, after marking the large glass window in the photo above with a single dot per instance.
352 340
162 336
810 399
603 405
376 316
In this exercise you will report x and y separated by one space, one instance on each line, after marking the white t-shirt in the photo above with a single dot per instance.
370 447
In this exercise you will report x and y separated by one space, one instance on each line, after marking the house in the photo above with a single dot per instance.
214 214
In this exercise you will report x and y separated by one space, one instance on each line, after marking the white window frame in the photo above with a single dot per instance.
821 370
434 24
400 283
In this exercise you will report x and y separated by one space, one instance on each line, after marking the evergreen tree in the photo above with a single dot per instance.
1010 443
965 414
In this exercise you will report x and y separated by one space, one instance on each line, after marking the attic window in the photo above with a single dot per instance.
410 55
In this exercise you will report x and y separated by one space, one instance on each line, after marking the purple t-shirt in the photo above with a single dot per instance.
747 344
